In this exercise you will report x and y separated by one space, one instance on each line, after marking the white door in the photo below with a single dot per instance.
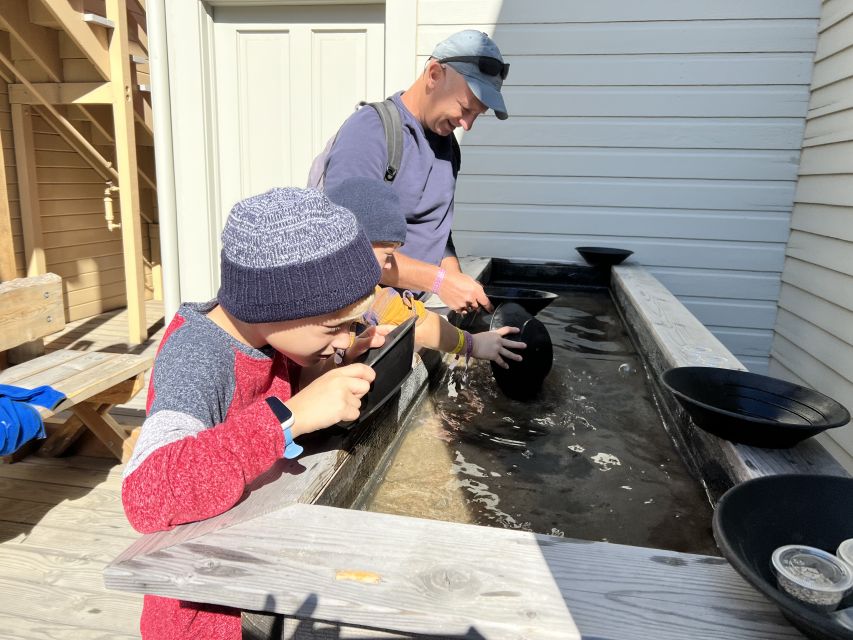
286 78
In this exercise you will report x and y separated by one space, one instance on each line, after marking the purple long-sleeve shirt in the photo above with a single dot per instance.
425 182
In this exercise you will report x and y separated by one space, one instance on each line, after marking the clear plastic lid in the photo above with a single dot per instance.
845 552
812 569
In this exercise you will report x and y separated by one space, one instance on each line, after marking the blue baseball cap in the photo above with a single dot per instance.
476 44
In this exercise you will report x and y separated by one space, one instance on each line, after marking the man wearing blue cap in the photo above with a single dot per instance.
461 80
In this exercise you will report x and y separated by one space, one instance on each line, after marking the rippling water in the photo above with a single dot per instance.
588 458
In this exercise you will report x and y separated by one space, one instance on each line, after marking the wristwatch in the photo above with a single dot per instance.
285 417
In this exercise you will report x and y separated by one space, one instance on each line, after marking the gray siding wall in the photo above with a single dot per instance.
813 341
669 127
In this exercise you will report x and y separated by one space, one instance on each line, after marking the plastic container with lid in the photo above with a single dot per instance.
814 577
845 552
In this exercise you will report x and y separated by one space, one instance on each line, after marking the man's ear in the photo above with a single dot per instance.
434 73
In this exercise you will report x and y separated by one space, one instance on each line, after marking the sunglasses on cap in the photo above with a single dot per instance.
486 65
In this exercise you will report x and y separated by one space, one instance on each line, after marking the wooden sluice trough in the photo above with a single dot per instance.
293 547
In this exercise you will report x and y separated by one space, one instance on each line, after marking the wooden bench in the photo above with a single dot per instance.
92 381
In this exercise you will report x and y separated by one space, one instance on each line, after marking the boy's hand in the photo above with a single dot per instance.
333 397
491 345
368 339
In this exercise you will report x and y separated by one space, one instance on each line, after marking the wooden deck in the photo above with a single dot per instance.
61 520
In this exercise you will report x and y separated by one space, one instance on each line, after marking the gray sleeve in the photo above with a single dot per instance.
193 377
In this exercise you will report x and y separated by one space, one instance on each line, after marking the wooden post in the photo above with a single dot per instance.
25 162
8 270
125 141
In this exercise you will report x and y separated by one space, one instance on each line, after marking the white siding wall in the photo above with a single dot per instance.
669 127
813 343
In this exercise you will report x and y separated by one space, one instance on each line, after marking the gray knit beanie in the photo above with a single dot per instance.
291 253
376 207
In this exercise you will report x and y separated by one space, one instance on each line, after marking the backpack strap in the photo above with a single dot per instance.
393 126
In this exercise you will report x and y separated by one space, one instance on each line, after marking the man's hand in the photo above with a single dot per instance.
461 292
333 397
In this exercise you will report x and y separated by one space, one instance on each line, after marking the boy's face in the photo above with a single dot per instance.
311 340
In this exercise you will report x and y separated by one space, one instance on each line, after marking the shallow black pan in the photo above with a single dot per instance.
533 300
757 516
753 409
523 380
603 256
392 363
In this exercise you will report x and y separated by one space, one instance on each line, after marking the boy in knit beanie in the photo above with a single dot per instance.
237 378
377 209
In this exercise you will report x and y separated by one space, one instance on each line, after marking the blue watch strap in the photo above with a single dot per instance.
291 449
285 417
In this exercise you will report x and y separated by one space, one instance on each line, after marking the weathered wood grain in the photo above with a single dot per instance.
454 580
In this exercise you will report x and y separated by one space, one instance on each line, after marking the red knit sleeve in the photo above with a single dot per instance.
200 476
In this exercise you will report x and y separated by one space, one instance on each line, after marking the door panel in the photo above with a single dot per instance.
286 78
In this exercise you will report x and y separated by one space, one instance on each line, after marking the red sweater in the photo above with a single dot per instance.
208 434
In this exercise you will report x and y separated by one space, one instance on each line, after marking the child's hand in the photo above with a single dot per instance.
368 339
491 345
333 397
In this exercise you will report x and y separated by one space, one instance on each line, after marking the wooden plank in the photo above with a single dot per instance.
718 102
659 70
51 494
25 164
125 137
33 367
30 308
454 580
453 12
39 42
104 610
62 93
638 37
85 512
695 224
635 163
19 627
73 25
66 472
736 195
8 268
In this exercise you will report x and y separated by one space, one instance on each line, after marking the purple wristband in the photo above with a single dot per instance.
469 345
439 278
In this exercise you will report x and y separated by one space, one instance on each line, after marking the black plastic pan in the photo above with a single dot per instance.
753 409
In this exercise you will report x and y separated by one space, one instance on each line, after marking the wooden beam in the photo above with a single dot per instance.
8 270
31 308
125 138
81 34
39 42
25 163
438 579
62 93
70 130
